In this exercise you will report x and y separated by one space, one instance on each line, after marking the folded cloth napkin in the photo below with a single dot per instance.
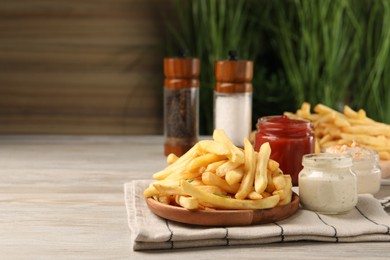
368 221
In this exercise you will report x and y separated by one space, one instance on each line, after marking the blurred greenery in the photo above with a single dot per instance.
371 89
333 52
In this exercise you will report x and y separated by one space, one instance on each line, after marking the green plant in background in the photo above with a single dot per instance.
322 51
318 43
208 29
371 89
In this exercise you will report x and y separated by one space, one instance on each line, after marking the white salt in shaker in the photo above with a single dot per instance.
233 98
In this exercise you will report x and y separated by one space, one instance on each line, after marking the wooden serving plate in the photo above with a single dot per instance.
223 217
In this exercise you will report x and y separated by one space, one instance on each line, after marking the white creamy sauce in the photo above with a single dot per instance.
330 193
368 182
365 165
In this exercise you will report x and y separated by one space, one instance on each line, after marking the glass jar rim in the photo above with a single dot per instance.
327 160
284 126
296 121
357 153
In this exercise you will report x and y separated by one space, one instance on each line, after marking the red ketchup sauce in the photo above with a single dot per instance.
289 139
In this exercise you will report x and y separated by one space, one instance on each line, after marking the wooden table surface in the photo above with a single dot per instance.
61 197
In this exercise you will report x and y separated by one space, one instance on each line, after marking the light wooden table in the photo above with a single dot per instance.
61 197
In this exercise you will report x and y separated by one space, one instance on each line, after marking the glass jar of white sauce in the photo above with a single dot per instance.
368 173
327 184
365 164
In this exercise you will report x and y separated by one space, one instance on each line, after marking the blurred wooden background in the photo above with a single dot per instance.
81 66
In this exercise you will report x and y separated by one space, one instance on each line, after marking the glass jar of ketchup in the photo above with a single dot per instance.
289 139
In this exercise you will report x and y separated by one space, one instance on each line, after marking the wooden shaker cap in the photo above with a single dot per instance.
181 72
233 76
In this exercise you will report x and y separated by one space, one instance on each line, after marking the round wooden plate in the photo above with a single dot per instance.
223 217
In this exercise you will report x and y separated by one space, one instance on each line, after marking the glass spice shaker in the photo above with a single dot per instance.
181 103
233 97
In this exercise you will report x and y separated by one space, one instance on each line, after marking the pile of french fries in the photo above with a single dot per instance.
215 174
334 128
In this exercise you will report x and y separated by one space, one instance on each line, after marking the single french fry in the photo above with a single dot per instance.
187 202
210 146
228 166
176 167
210 178
186 175
272 165
189 155
266 194
303 114
150 191
341 121
220 202
270 185
306 107
203 161
329 117
350 113
235 155
212 189
169 188
253 195
179 165
249 171
171 158
377 148
368 130
234 176
365 139
323 109
164 199
362 114
286 194
212 167
261 179
279 182
364 121
325 139
317 148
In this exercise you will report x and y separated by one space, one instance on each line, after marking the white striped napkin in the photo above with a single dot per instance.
367 222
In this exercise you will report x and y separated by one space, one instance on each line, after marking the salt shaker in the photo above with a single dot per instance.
233 97
181 103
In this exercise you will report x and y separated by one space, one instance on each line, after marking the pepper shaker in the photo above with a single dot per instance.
181 103
233 97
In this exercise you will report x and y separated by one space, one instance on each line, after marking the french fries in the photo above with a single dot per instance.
335 128
215 174
249 168
261 180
